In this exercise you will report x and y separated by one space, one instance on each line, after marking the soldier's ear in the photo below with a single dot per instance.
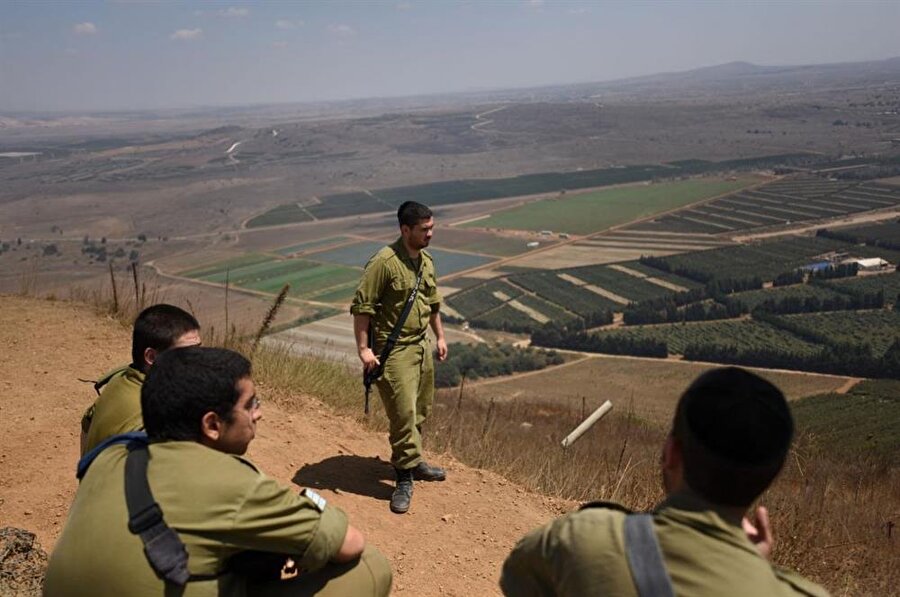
150 355
210 427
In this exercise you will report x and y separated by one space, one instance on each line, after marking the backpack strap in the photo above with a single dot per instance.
163 547
98 385
123 438
645 557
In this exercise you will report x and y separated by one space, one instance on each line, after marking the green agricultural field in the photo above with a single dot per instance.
744 333
477 241
754 298
880 328
863 422
283 214
592 212
219 268
337 294
306 279
312 244
887 283
266 274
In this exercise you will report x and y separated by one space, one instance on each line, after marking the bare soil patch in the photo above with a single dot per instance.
452 542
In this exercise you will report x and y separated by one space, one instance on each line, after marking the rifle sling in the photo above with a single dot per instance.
395 333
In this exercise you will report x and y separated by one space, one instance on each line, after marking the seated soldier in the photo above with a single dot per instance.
118 406
729 439
200 412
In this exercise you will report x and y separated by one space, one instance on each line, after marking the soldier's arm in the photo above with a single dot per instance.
361 332
275 519
352 547
364 305
525 571
438 328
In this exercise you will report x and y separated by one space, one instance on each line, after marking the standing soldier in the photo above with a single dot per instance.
406 385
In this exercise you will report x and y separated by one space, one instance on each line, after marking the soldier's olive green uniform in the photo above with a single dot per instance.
583 553
117 409
407 386
220 505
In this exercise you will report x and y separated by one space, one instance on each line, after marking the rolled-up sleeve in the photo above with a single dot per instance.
368 294
273 518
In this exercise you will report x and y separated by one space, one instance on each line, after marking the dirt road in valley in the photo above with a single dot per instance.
451 543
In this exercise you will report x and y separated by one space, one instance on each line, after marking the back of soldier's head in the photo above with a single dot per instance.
186 383
159 327
411 213
735 429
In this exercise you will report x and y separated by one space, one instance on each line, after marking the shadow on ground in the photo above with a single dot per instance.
370 477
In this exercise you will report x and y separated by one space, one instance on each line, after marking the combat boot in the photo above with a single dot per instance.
425 472
402 495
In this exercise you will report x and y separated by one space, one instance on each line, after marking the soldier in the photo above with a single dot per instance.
730 436
406 386
200 411
118 406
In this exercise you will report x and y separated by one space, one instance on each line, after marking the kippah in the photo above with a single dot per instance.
738 416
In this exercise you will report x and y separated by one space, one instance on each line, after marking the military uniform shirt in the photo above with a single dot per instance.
117 409
219 504
385 286
583 553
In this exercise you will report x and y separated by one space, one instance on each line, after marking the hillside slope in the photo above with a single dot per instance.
452 542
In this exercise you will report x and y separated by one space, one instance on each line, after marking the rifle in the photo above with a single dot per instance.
370 376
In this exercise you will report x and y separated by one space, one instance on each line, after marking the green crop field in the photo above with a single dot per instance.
754 298
477 241
625 285
312 244
591 212
880 328
220 267
887 283
863 422
283 214
306 279
742 333
266 274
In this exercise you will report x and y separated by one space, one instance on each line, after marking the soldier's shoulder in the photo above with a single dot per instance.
799 584
384 254
427 255
603 505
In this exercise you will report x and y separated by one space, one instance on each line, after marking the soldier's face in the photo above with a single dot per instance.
419 236
236 434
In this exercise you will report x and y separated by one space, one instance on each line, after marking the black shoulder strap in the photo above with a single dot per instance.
395 333
98 385
123 438
645 557
163 547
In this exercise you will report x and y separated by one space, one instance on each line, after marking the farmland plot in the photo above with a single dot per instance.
859 285
755 298
358 254
591 212
880 328
744 334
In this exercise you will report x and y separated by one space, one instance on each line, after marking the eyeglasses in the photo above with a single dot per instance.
254 403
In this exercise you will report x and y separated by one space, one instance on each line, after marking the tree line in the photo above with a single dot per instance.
490 360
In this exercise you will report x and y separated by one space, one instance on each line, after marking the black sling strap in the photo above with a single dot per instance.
645 557
163 547
370 377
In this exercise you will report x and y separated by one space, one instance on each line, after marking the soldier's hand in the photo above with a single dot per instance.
759 531
441 349
368 358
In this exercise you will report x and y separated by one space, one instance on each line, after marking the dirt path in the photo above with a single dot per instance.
452 542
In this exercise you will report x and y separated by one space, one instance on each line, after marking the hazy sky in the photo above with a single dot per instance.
131 54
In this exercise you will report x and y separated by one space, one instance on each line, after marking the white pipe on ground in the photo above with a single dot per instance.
587 424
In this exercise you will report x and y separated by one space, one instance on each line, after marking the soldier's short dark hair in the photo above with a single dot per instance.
159 327
186 383
411 213
735 429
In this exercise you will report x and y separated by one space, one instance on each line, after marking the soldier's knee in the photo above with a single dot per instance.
379 570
